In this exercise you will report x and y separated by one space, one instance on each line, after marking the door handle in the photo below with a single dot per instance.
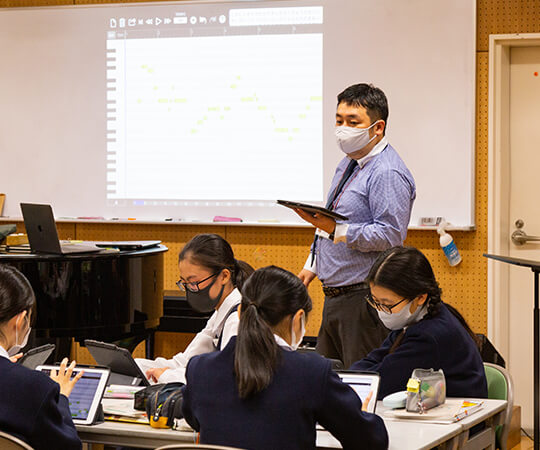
519 237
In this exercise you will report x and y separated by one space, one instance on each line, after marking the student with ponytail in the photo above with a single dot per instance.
210 277
425 332
258 393
33 406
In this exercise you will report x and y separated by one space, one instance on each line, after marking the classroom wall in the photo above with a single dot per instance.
464 286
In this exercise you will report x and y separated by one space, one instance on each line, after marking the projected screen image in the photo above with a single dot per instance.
215 103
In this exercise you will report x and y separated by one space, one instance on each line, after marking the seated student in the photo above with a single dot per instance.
210 276
426 333
258 393
33 406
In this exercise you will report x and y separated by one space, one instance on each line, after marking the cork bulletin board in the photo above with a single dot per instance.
464 286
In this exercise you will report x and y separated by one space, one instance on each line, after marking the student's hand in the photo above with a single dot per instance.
154 374
15 358
321 221
63 377
306 276
366 402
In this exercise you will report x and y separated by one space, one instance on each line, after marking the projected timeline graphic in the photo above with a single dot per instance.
215 117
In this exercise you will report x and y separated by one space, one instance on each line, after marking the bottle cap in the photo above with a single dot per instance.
441 229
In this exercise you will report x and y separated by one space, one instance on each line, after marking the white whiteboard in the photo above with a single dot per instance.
53 100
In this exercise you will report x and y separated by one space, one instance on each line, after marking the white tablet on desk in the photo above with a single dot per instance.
362 383
85 398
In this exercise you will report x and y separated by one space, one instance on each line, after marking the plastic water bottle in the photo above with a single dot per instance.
448 245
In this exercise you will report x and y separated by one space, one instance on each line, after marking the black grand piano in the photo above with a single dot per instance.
110 296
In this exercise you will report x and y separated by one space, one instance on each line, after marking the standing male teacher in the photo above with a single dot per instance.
375 190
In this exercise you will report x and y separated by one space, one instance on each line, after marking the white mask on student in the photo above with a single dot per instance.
403 318
17 347
295 343
351 139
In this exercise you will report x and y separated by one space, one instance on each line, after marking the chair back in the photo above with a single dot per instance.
9 442
500 387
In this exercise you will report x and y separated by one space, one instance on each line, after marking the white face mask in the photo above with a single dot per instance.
17 347
294 342
403 318
350 139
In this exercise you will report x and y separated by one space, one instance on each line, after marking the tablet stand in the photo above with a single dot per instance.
99 417
535 267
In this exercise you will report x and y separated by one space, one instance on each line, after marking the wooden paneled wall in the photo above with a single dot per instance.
464 286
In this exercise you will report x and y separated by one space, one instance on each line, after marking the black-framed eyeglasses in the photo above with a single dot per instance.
192 286
380 306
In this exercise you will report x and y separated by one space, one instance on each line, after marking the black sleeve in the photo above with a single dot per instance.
54 425
187 401
374 358
340 412
416 351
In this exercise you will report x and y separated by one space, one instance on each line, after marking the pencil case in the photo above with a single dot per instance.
425 389
140 398
164 405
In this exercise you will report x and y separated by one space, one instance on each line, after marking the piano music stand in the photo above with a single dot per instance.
535 267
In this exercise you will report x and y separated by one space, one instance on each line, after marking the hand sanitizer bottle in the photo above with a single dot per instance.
448 245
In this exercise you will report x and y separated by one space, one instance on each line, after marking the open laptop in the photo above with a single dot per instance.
43 235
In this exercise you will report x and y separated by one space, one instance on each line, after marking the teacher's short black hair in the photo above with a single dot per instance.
370 97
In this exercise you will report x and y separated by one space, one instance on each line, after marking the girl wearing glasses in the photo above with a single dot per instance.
210 277
426 332
259 393
33 406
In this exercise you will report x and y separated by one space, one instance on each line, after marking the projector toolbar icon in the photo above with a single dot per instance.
112 23
158 21
192 20
167 21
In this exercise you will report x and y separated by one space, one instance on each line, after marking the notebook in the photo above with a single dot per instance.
43 235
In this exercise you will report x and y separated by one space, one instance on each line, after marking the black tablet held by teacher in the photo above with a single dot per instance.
312 209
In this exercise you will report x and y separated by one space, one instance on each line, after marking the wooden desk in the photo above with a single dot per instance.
404 434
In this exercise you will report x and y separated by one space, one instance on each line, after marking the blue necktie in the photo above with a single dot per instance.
353 164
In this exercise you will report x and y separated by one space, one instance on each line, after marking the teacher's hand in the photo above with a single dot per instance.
321 221
306 276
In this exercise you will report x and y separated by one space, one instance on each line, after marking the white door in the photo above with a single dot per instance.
524 201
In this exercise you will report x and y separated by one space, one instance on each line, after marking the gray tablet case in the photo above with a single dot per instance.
124 369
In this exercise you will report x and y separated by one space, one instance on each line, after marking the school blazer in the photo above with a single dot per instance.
304 390
438 342
32 409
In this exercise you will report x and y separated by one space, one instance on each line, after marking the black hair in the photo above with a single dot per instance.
215 253
268 296
407 272
16 293
369 97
